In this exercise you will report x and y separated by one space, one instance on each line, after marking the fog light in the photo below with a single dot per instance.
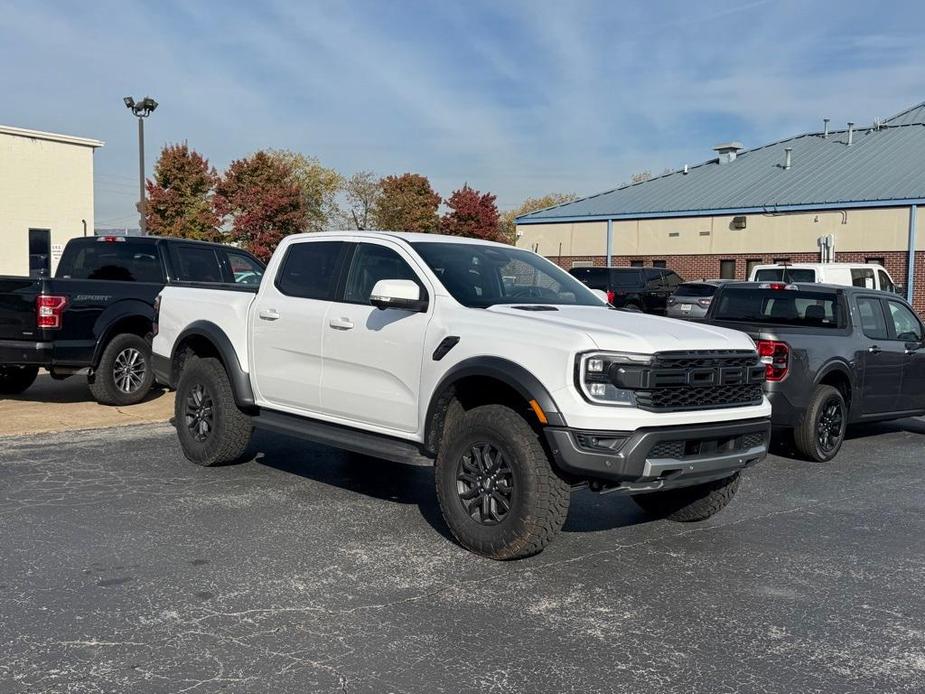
597 390
595 365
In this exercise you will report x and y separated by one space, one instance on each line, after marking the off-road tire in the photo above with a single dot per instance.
806 437
690 504
16 379
540 498
106 383
230 429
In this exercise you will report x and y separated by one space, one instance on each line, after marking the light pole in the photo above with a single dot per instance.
142 109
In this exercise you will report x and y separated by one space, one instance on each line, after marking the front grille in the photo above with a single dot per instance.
690 448
703 359
698 398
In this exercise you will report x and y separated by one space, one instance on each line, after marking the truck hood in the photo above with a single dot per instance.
630 331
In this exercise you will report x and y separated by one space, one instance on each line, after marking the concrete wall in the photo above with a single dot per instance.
44 184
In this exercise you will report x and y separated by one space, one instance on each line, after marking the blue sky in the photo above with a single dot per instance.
516 98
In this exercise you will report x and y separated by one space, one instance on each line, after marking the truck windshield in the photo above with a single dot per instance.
479 276
785 274
780 307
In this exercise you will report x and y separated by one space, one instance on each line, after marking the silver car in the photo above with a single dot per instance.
692 299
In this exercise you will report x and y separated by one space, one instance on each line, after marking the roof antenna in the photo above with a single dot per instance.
825 129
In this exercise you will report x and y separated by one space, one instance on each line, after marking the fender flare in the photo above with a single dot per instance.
240 381
508 372
105 326
842 367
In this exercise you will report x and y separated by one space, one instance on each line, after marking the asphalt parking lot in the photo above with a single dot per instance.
125 568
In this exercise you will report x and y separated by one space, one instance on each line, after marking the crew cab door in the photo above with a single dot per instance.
906 329
287 325
881 360
372 357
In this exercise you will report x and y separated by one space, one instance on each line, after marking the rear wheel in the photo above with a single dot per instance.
498 491
124 375
210 427
690 504
822 431
16 379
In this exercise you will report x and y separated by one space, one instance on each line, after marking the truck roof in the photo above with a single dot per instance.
406 236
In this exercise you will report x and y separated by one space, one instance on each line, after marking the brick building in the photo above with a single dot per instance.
859 188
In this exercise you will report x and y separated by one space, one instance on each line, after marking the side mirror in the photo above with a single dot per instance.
400 294
602 295
899 289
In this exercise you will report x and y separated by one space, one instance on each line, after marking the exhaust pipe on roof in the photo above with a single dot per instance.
788 151
850 133
825 128
685 169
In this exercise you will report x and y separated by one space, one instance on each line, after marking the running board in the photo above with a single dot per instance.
365 443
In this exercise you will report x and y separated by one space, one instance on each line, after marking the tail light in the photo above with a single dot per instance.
705 302
610 296
672 301
776 359
49 310
157 314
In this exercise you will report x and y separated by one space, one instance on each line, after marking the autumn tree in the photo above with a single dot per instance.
406 203
319 186
508 222
361 192
472 214
179 199
261 199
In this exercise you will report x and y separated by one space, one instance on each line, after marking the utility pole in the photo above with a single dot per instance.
142 109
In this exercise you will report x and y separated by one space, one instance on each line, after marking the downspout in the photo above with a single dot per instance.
609 243
910 268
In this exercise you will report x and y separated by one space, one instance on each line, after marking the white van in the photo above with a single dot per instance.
867 275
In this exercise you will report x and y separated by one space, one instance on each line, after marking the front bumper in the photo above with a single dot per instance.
662 457
23 352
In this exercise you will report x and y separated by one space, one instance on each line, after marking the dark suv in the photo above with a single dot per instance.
640 288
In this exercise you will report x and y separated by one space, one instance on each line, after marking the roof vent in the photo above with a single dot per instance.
685 169
825 128
850 133
788 151
727 151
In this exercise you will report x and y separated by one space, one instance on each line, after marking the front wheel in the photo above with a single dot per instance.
822 431
690 504
16 379
124 375
498 491
210 427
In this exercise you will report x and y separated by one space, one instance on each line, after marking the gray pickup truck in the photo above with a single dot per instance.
833 355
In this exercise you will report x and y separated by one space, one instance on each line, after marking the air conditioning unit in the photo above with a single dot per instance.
738 222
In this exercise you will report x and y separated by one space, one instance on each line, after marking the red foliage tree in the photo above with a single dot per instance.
179 201
472 214
263 202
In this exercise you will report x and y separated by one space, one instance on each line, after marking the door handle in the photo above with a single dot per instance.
341 323
268 314
874 350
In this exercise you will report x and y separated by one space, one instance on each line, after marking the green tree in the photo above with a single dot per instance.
319 185
260 198
508 225
473 214
179 199
406 203
361 192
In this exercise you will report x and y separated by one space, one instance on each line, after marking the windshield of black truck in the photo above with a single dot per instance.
780 307
479 276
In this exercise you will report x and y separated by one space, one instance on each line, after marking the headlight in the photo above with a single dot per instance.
598 373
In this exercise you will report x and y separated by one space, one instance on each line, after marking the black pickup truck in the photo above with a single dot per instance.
97 312
635 288
833 355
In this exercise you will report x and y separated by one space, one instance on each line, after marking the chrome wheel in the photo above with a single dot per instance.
830 427
199 412
485 484
128 370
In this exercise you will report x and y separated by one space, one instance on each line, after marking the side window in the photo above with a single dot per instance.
886 284
197 264
906 325
653 280
862 277
309 270
871 314
672 280
371 263
244 269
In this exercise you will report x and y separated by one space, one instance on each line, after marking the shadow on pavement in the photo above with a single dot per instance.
69 390
782 440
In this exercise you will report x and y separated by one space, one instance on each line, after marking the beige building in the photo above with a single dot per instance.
859 191
46 197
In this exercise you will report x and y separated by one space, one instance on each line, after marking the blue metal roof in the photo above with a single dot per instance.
884 163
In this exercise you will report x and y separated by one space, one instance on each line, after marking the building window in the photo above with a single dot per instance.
781 261
750 265
727 269
636 263
658 263
582 263
874 261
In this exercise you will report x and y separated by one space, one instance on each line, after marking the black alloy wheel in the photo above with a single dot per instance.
199 412
485 484
830 425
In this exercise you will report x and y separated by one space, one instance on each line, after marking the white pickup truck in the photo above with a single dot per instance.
513 378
